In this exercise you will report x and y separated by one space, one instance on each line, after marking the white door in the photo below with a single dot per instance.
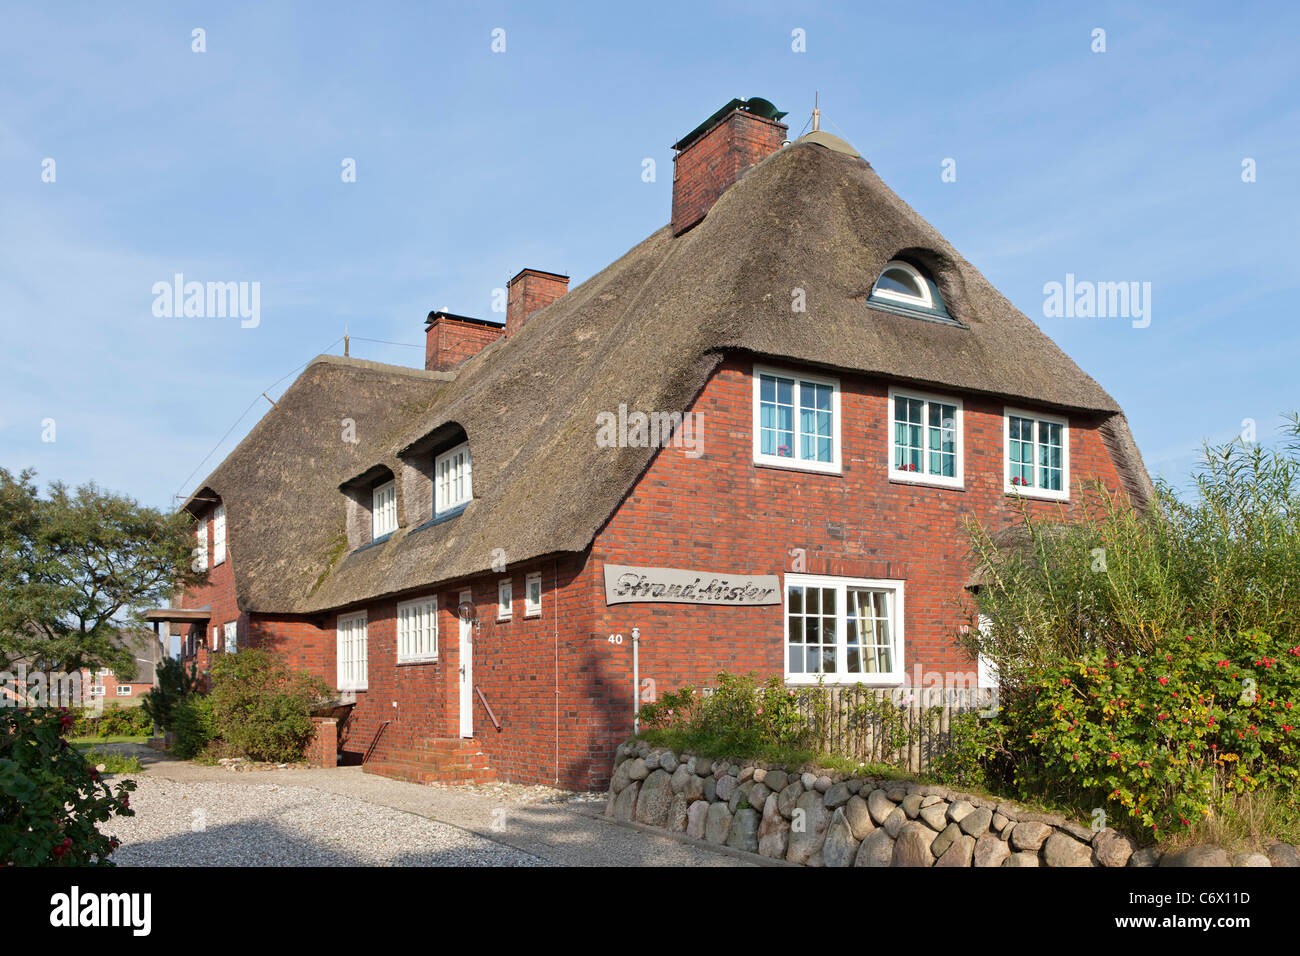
466 671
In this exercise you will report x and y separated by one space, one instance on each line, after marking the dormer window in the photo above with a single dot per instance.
452 480
383 510
902 287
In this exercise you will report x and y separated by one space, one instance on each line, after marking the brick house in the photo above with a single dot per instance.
753 438
104 683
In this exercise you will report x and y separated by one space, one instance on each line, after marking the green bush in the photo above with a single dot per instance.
739 718
115 721
1161 740
195 726
174 685
51 798
1118 579
970 745
262 707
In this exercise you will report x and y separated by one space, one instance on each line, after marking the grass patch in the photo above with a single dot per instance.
113 762
83 743
1247 822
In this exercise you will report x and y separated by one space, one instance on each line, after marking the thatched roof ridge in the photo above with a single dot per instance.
647 330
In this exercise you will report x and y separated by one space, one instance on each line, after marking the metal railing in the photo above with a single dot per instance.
488 707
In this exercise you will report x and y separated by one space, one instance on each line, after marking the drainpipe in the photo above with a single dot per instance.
636 680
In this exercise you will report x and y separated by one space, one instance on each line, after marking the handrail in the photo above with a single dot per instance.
488 707
375 740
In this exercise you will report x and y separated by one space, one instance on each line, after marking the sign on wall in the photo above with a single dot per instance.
629 585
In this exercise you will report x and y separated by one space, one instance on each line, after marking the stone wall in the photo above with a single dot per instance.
833 819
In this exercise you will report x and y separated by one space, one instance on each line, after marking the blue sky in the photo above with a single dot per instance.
225 166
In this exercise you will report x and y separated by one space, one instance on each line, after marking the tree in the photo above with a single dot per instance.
76 567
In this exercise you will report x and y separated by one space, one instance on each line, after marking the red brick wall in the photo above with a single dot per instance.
323 749
529 291
219 593
707 167
723 512
449 342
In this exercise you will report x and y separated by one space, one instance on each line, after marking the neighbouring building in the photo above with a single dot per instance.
753 438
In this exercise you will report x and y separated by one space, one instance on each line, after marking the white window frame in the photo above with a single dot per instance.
123 690
505 599
892 678
417 630
230 637
218 535
383 509
925 478
793 462
924 301
532 609
1033 491
201 535
443 501
96 690
351 652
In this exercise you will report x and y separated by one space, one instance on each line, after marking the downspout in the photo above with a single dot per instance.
555 600
636 681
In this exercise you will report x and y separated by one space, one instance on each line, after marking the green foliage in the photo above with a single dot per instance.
262 707
112 762
971 744
741 718
51 798
194 723
1164 739
76 566
114 722
174 685
1118 579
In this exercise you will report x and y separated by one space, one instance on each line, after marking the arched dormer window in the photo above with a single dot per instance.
902 287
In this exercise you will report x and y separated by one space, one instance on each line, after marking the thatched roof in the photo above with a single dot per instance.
647 330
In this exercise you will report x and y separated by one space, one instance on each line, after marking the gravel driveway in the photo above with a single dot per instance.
228 823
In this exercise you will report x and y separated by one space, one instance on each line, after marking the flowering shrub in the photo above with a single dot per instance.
51 798
1162 738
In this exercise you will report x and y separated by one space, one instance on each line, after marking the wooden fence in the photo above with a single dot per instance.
876 725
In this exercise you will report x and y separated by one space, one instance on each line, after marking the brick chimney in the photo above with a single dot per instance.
451 339
529 291
717 152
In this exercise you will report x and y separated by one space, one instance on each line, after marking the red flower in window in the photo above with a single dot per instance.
783 451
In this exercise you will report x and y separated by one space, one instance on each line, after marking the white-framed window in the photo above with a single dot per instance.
986 669
925 438
796 420
352 663
843 630
96 690
533 594
383 510
123 690
417 630
1036 460
218 535
452 479
505 599
201 551
230 637
902 283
